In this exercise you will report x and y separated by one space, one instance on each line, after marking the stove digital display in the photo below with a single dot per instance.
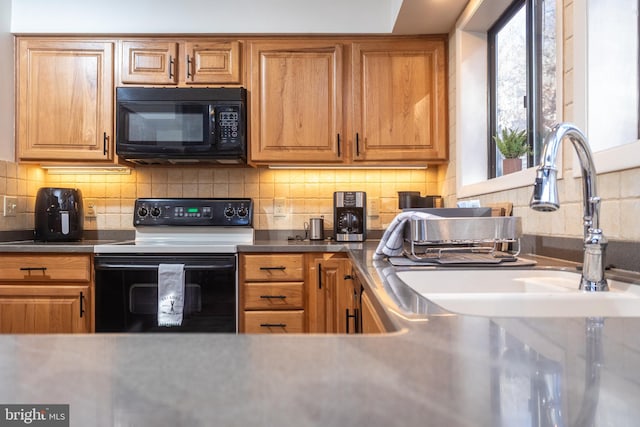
192 210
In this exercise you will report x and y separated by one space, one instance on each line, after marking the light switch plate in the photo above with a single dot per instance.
279 207
10 206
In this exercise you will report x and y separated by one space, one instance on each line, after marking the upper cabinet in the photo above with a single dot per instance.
296 101
399 108
339 101
65 100
182 63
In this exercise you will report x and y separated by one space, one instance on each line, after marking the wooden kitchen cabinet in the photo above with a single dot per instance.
46 293
331 301
371 322
272 293
399 93
180 62
296 101
372 101
65 99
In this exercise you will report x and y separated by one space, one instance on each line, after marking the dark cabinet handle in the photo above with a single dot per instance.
33 269
339 154
319 276
188 67
357 145
81 304
171 63
273 325
273 296
105 138
281 267
353 316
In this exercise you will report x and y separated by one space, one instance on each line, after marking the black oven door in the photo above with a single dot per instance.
126 293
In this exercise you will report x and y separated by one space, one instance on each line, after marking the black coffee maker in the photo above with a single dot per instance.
350 216
58 215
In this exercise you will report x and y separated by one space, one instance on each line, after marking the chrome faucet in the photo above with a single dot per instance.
545 198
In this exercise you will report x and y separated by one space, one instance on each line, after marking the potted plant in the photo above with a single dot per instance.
512 144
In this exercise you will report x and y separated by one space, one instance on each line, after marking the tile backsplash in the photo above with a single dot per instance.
307 192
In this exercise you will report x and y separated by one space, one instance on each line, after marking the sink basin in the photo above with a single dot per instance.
521 293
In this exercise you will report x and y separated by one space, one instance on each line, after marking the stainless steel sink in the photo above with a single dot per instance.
521 293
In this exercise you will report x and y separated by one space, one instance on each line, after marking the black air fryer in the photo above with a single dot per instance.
58 215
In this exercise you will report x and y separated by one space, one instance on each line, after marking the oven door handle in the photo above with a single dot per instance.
226 266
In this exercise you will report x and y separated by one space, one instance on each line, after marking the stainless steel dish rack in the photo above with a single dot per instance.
472 240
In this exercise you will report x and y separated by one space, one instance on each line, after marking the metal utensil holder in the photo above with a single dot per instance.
480 239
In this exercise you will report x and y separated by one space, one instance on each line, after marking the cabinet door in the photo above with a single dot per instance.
212 62
330 297
296 96
149 62
371 323
65 100
44 309
399 101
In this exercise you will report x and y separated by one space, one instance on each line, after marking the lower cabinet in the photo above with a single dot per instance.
49 293
303 292
271 293
370 321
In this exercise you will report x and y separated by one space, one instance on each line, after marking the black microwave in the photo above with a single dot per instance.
181 125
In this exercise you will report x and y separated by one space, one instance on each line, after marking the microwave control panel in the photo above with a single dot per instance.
229 125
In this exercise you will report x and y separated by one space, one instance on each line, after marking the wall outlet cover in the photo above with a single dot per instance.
10 206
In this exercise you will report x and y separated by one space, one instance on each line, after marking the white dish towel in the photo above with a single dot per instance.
170 294
392 241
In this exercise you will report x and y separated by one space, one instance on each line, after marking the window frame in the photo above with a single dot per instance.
492 34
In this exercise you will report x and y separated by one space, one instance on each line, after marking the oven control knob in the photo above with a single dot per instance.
155 212
142 212
242 212
228 212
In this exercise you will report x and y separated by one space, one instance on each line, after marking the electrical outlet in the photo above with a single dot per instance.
90 208
374 207
279 207
10 206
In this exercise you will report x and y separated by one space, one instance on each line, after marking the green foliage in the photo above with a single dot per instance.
512 143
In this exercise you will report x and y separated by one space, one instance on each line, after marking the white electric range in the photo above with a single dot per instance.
200 234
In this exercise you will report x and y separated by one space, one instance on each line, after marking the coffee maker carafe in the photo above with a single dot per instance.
349 211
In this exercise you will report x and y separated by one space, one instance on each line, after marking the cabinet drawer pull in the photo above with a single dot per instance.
282 267
188 67
339 154
273 325
273 296
104 143
357 145
33 268
81 304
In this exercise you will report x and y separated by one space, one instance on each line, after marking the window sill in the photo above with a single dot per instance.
523 178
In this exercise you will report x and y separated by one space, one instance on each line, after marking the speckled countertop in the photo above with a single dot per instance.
437 369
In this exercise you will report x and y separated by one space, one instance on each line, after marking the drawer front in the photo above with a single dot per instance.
273 296
273 268
45 267
274 322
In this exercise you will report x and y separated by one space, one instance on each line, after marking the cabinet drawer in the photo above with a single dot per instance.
45 267
273 295
274 322
273 268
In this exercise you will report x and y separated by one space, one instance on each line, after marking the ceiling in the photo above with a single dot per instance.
238 16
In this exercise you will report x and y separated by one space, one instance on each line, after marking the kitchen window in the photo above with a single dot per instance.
522 87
